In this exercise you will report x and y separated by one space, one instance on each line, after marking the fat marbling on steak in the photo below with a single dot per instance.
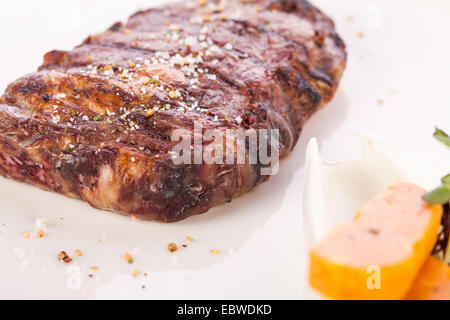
95 123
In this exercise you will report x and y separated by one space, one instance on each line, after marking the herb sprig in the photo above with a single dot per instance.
440 195
442 137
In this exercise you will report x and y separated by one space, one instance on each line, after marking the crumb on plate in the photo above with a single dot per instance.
172 247
128 258
64 257
136 273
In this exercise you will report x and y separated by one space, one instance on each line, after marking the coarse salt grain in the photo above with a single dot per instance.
40 223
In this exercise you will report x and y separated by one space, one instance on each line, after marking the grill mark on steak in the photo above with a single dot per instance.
221 76
120 45
78 126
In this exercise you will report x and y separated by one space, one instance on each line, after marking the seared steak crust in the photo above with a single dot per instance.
95 123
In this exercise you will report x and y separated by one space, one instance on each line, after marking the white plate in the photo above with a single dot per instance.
402 58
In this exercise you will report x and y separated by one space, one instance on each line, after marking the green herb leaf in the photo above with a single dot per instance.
442 136
446 179
440 195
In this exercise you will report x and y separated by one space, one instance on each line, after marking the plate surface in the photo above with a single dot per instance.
396 85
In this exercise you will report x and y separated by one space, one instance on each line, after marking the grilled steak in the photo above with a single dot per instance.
95 123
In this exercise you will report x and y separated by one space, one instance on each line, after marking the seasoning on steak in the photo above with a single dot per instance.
95 123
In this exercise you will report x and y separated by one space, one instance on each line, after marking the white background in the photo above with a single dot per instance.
402 58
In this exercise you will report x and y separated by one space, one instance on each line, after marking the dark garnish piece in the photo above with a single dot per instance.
442 242
441 195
